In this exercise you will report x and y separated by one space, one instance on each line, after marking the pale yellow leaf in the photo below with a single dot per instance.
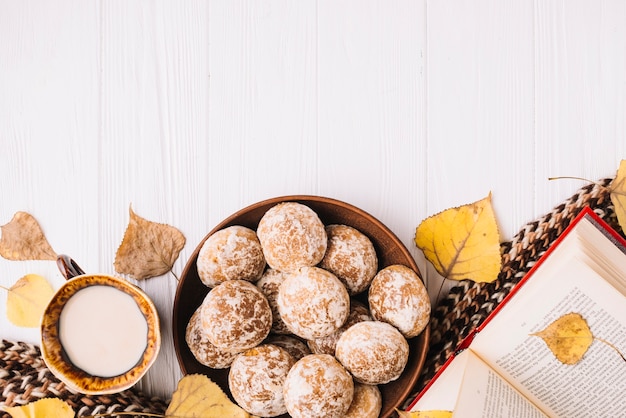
148 249
47 407
23 239
198 396
27 299
463 242
424 414
618 194
569 337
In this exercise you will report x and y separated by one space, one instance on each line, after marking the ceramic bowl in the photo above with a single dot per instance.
191 291
56 357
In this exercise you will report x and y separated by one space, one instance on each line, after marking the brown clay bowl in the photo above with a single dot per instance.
191 291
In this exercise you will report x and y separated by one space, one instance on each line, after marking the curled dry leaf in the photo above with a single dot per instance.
27 299
618 194
569 337
47 407
148 249
198 396
23 239
462 243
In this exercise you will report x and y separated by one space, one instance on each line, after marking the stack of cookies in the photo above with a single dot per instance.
302 315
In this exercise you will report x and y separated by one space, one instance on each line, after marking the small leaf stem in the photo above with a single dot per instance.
576 178
9 290
571 178
611 346
608 187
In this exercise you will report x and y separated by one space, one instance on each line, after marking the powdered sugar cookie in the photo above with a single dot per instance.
318 386
202 349
232 253
256 379
313 303
292 236
236 315
366 403
398 296
326 345
351 257
269 283
374 352
294 346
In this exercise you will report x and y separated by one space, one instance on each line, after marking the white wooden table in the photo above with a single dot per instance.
192 110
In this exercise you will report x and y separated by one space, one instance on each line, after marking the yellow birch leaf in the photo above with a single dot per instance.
198 396
618 194
148 249
462 243
27 300
569 337
47 407
23 239
424 414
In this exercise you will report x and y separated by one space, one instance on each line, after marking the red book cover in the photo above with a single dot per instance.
586 213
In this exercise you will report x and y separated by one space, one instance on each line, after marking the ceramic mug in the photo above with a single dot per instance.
99 334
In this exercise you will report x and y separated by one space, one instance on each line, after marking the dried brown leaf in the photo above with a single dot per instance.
23 239
148 249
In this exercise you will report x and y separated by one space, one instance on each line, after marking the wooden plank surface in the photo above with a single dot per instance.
190 111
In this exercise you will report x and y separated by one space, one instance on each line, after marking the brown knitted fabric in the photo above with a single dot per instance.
468 304
25 378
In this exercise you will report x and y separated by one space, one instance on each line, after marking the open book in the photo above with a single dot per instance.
503 370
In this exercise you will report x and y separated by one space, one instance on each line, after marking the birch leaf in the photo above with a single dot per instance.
463 242
424 414
23 239
569 337
27 300
148 249
198 396
618 194
47 407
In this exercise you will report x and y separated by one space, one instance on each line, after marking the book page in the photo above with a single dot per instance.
593 387
443 393
484 394
567 281
608 260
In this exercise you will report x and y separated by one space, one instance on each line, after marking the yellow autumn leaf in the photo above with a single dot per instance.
27 299
148 249
618 194
47 407
569 337
198 396
23 239
424 414
463 242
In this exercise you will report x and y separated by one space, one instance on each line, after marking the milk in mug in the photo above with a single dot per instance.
103 331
